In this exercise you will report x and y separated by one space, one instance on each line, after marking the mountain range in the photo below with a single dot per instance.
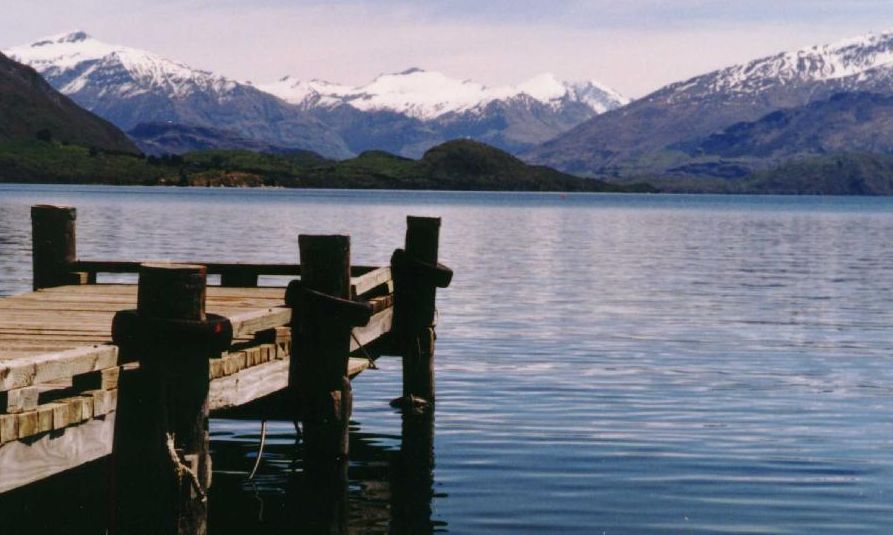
405 113
30 108
807 111
675 129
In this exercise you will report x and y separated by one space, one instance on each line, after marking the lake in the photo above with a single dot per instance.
605 363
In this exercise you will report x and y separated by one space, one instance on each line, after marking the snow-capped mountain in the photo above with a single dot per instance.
410 111
427 95
405 113
850 64
128 87
78 59
644 136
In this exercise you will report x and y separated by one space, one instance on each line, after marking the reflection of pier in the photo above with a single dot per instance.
90 370
387 489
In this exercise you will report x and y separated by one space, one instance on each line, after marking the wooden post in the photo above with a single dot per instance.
412 481
164 469
321 347
415 284
53 245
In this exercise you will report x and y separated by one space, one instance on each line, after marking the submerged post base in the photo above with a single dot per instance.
412 404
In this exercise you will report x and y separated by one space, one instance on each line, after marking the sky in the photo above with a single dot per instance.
634 46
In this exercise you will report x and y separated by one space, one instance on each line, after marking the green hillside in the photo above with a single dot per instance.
458 165
31 109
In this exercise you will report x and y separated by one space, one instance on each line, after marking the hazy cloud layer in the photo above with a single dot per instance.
632 45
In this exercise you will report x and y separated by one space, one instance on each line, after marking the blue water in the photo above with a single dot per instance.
605 363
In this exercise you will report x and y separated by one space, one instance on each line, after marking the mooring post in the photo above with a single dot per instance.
53 246
165 491
321 325
417 275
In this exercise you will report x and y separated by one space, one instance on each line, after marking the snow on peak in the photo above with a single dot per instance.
67 37
543 87
429 94
835 61
77 58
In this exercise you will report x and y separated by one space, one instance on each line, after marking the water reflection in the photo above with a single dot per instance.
381 489
412 476
724 360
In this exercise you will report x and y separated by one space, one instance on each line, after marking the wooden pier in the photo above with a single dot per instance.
90 370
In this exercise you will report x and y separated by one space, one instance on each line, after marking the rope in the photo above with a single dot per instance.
260 449
181 470
372 365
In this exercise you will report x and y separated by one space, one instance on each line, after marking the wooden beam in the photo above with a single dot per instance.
27 462
48 367
214 268
369 281
19 399
259 381
106 379
247 323
378 326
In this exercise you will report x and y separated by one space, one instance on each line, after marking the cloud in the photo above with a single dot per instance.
633 45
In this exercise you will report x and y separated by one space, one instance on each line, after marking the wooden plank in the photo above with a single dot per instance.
27 423
260 381
369 281
28 462
214 268
214 292
216 368
75 409
9 428
380 324
60 415
19 399
106 379
248 323
248 385
45 418
50 367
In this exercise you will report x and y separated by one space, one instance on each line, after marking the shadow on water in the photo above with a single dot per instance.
382 490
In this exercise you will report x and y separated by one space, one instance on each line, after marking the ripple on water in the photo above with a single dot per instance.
606 364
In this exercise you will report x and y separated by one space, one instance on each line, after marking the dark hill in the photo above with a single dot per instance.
847 122
454 165
843 174
30 107
457 165
173 138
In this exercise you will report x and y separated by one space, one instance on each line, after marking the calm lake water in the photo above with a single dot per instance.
605 363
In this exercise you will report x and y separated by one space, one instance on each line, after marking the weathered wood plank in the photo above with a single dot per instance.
214 268
19 400
368 281
49 367
379 325
259 381
106 379
248 323
28 462
9 428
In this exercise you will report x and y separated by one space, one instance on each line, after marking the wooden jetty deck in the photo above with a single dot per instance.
67 347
